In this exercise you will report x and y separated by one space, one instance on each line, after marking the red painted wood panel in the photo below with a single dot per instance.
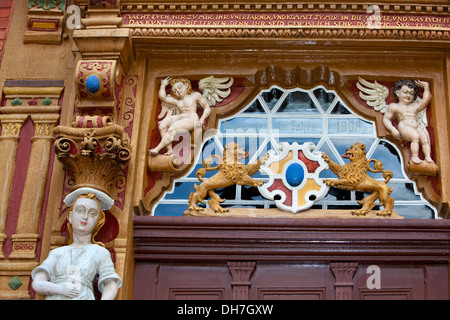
308 259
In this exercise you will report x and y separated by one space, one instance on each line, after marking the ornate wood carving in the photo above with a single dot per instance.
303 78
96 158
343 271
241 272
297 77
252 85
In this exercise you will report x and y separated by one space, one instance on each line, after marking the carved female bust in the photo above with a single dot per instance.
69 271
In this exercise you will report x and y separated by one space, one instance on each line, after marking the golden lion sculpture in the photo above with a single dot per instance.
353 176
231 171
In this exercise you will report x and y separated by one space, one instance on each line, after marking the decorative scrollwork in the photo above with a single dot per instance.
64 147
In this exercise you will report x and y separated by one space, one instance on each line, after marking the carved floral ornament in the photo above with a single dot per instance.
296 78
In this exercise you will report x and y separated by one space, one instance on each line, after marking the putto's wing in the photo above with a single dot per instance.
215 89
169 109
422 116
374 94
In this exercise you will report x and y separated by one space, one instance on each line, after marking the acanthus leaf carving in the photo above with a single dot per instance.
95 157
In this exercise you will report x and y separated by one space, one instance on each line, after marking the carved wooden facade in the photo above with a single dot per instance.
80 107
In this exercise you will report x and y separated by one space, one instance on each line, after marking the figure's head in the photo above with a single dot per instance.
405 91
85 217
180 87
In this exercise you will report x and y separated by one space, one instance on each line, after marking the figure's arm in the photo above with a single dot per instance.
162 92
110 289
206 108
387 122
426 95
42 286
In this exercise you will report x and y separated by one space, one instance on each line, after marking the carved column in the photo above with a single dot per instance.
11 126
241 272
343 272
94 147
27 231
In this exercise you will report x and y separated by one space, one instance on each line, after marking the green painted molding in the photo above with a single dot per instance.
48 4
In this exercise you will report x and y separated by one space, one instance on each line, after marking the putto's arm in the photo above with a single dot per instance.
426 94
387 122
206 108
162 92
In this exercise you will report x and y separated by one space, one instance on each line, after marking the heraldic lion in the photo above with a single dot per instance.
231 171
353 176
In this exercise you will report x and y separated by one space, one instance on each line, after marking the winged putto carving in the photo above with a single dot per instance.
408 109
179 108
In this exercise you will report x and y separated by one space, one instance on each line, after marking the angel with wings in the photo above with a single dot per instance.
409 110
179 108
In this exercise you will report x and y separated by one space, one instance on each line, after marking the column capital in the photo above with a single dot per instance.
343 272
11 125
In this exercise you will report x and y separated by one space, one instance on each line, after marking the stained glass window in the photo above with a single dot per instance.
296 115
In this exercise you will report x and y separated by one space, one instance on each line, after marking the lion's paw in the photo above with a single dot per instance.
259 183
219 209
360 212
196 208
384 213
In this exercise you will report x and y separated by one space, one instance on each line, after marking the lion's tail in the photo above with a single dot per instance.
378 167
387 175
207 167
200 173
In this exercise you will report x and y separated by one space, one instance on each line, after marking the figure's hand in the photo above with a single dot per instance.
422 84
396 134
72 293
67 291
165 81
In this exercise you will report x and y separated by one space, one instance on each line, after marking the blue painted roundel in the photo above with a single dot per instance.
295 174
92 83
